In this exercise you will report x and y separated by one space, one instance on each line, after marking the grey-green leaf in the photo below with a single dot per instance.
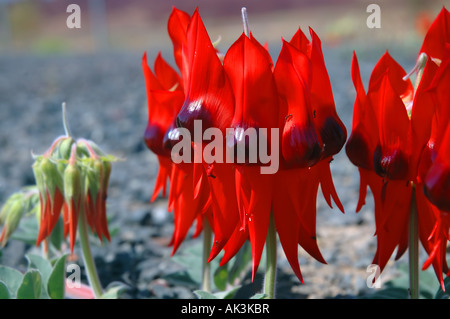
12 278
44 267
4 292
201 294
31 285
258 296
440 294
56 281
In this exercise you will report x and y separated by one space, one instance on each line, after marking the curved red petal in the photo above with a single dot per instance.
177 28
209 96
301 146
437 35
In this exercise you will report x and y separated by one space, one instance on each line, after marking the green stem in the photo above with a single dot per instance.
271 260
206 267
413 249
91 270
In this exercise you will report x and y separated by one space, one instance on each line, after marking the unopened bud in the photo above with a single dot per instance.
13 214
72 183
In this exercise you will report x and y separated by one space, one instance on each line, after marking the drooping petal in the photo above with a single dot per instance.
221 180
186 208
257 214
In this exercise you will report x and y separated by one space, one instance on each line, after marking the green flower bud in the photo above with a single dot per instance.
14 212
72 183
64 148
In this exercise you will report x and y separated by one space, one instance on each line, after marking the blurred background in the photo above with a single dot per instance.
96 70
39 26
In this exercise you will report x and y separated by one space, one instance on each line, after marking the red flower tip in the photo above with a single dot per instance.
437 36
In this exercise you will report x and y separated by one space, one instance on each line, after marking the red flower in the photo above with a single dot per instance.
392 125
268 97
197 190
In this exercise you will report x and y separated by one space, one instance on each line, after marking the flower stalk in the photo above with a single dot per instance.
206 267
413 249
271 260
91 270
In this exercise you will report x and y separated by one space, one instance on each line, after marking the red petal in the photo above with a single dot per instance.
259 209
438 34
364 137
209 97
331 129
395 72
422 116
301 146
437 181
249 69
391 156
224 204
164 173
177 28
166 75
163 106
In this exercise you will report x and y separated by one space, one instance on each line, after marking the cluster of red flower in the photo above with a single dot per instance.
244 89
400 143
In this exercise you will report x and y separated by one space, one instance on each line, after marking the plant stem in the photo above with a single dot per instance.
91 270
271 260
206 267
413 249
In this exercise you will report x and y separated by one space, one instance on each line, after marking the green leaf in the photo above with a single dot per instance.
440 294
242 262
44 267
12 278
229 294
4 292
114 290
221 277
398 287
204 294
258 296
31 285
27 231
56 281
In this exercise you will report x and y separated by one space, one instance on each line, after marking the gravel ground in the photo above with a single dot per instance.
106 100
